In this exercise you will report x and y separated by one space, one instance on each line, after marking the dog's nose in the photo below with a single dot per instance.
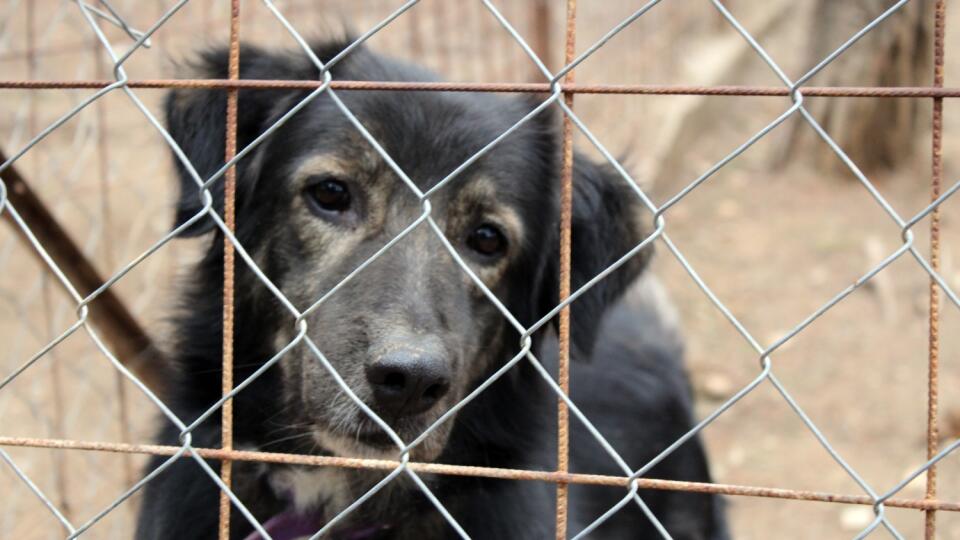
406 383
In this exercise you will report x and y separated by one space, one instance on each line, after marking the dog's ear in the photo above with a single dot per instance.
608 221
196 119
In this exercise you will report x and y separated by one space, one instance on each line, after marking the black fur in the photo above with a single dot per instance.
628 379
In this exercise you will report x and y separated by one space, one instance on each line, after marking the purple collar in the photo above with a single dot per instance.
289 525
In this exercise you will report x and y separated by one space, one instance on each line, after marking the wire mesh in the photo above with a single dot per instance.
107 29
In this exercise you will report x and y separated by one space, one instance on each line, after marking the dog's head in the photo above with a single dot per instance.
320 210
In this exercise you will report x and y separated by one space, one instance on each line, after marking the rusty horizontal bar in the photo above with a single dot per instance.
636 89
484 472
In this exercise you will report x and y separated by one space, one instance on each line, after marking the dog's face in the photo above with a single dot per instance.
407 327
412 330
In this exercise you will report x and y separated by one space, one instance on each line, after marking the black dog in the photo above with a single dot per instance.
412 334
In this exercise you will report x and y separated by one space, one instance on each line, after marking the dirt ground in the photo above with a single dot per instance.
773 241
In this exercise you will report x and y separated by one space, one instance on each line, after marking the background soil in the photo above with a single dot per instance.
773 242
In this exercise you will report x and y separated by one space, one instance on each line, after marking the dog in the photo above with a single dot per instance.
412 334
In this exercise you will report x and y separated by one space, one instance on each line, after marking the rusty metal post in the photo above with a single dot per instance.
566 226
229 214
933 391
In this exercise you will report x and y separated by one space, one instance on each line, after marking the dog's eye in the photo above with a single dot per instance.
329 195
487 240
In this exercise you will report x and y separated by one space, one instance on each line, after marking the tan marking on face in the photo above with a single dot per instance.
280 340
482 357
325 243
509 219
363 165
319 164
474 204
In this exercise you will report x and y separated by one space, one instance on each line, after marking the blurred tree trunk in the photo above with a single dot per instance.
877 133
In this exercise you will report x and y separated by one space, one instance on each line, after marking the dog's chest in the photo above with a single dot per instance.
315 496
326 490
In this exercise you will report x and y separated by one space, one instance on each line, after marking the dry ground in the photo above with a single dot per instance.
773 242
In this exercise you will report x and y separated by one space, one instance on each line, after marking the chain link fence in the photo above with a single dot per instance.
65 310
